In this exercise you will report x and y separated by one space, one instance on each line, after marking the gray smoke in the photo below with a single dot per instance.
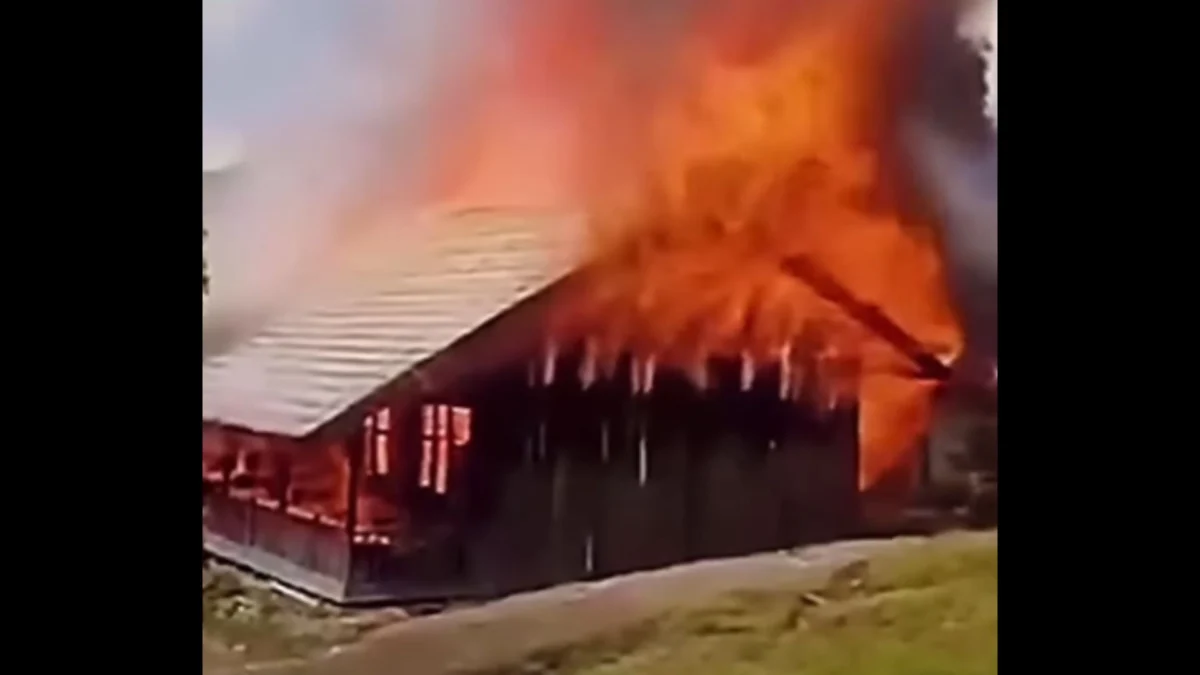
313 110
949 134
319 112
962 182
980 26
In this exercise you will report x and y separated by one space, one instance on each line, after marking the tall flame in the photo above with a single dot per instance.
760 133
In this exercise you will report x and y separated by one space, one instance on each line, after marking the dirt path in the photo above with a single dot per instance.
505 630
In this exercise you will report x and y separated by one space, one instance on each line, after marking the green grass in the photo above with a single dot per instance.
247 623
928 611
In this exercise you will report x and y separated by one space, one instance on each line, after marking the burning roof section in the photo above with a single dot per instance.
449 275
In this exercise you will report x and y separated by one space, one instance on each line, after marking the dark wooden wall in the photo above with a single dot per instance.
318 548
560 483
556 486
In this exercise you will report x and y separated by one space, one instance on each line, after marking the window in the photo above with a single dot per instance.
460 425
377 442
381 454
443 428
426 462
443 459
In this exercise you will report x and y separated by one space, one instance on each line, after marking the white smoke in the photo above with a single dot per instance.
980 26
314 109
952 144
311 109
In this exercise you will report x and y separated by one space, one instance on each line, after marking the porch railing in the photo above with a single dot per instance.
317 546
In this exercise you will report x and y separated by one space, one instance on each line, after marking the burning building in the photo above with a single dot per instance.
736 349
414 435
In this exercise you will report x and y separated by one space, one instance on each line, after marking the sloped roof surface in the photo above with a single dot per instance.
447 277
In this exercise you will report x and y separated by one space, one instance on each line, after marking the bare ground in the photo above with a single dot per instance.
491 636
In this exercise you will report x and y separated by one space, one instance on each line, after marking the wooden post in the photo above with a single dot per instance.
354 450
227 463
588 365
604 435
542 422
697 373
596 413
641 376
747 371
283 472
701 435
546 379
785 371
549 364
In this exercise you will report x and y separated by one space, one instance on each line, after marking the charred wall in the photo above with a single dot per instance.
556 482
564 482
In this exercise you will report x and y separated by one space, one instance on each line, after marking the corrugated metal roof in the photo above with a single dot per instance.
447 278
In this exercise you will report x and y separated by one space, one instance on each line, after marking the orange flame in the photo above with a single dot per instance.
764 135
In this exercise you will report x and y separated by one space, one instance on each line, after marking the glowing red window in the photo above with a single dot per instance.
442 427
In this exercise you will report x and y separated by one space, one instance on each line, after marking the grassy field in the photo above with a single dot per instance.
929 611
917 608
247 623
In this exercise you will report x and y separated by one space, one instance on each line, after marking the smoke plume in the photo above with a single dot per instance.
951 138
322 118
316 113
325 117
